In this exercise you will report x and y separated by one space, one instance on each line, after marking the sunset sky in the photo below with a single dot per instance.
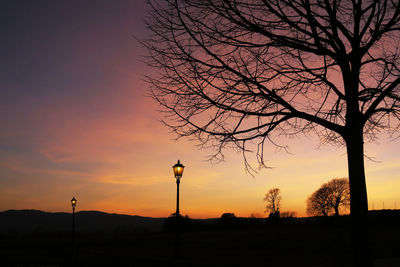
74 121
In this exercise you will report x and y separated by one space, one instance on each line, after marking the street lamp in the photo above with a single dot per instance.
73 203
178 171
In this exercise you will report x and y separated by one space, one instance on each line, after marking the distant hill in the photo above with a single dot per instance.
20 222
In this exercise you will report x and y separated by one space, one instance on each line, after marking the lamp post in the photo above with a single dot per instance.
73 203
178 171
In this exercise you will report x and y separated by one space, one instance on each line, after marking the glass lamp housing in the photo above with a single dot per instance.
178 170
73 202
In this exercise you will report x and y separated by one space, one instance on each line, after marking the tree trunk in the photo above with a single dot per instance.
358 196
336 210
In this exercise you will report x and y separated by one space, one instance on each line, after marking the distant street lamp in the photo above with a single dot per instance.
178 171
73 203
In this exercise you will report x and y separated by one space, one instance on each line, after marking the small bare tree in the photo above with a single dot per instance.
273 199
330 198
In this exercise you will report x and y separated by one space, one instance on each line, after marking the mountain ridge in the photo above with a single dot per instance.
27 221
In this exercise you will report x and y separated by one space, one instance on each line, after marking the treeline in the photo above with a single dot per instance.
229 221
332 198
226 221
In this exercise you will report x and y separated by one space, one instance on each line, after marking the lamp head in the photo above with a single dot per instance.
178 170
73 202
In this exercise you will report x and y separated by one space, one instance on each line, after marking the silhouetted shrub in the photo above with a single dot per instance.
274 217
183 222
228 219
288 214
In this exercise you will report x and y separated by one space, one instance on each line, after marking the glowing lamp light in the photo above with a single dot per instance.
178 170
73 202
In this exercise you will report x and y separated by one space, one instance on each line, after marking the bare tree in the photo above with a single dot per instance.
233 72
330 198
318 203
273 199
339 194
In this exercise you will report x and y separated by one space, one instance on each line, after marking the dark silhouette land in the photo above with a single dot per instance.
37 238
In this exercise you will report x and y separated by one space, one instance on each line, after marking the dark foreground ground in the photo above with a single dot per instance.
288 243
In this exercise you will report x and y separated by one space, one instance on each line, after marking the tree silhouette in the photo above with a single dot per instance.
330 198
228 219
234 72
317 203
273 199
339 196
288 214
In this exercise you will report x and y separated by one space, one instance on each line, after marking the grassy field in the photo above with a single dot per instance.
322 243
